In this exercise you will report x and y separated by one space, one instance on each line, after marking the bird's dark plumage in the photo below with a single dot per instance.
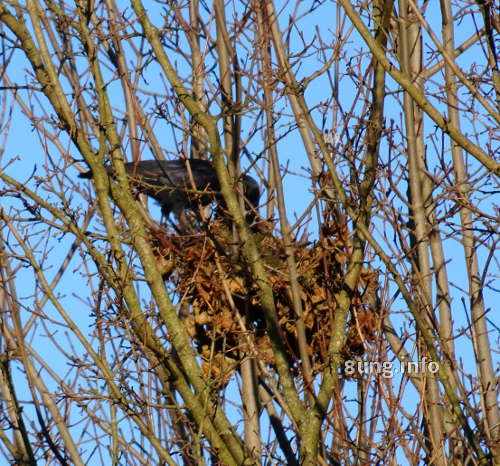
169 182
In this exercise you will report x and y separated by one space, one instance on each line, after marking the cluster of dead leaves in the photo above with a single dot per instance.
223 312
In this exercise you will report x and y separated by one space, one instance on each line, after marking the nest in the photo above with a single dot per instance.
222 310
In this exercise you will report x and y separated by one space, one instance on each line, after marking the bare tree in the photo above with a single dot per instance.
350 322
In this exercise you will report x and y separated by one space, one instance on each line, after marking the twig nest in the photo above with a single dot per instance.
226 320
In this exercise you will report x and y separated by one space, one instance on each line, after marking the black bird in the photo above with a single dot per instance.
169 182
